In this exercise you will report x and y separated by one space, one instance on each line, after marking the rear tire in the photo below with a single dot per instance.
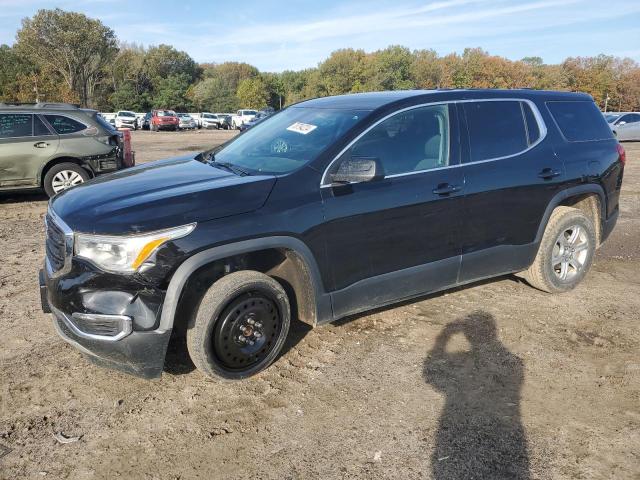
566 252
63 176
240 325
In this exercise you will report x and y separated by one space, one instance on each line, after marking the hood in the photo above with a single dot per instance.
159 195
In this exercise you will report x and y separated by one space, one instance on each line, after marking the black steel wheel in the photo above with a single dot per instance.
247 330
240 326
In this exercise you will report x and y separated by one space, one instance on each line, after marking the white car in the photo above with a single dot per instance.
126 119
241 117
625 125
186 122
208 120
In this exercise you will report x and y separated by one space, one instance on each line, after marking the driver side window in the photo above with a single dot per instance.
409 141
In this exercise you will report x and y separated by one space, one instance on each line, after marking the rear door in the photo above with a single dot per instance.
398 236
26 145
511 175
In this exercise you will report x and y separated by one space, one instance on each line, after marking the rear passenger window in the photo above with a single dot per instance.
580 121
14 125
533 129
496 129
64 125
410 141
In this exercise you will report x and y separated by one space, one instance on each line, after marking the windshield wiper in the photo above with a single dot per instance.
228 166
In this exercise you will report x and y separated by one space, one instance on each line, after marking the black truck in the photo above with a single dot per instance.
328 208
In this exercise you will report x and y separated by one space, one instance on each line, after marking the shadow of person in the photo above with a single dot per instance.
480 434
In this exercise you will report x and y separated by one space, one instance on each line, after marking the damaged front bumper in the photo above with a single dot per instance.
114 323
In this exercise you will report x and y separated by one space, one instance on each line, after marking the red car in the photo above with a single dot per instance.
164 120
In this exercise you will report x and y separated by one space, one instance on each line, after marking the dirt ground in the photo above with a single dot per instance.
447 387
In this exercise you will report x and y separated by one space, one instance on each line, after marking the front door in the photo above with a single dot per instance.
397 236
26 144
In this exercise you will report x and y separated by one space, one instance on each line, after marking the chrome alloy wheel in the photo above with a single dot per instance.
570 253
65 179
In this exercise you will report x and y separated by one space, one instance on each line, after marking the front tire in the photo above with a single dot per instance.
63 176
240 325
566 252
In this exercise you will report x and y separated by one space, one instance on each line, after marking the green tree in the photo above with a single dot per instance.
76 47
342 71
164 61
253 93
389 69
171 93
213 95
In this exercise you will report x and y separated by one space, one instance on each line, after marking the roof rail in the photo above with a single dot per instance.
64 106
48 105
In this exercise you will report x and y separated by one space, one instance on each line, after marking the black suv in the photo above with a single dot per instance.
330 207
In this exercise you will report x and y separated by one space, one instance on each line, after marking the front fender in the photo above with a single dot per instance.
189 266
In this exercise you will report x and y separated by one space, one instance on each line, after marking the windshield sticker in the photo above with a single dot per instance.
302 128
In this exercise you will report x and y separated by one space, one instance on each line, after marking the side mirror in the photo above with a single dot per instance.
358 170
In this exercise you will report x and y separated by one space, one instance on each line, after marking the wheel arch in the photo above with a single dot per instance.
589 198
58 160
297 271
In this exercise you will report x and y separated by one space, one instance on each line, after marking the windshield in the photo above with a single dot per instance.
288 140
611 118
248 112
126 114
166 113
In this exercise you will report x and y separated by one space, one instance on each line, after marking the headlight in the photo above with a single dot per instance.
124 254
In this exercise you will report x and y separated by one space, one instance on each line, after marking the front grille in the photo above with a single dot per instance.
55 245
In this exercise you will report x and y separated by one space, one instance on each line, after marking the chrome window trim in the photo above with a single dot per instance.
536 113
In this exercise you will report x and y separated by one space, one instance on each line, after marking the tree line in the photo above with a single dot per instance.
66 56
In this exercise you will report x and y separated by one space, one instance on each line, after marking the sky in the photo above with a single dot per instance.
291 35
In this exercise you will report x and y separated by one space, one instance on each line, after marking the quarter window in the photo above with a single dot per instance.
14 125
410 141
580 121
496 129
64 125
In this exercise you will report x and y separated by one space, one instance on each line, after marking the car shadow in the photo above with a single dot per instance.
23 196
428 296
178 362
480 432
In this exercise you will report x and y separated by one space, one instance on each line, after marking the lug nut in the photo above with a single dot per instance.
257 334
251 321
258 325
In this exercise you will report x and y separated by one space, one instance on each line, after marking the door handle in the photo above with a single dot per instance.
446 189
549 173
41 145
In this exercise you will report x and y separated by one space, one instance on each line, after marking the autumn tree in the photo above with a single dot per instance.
253 93
71 44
